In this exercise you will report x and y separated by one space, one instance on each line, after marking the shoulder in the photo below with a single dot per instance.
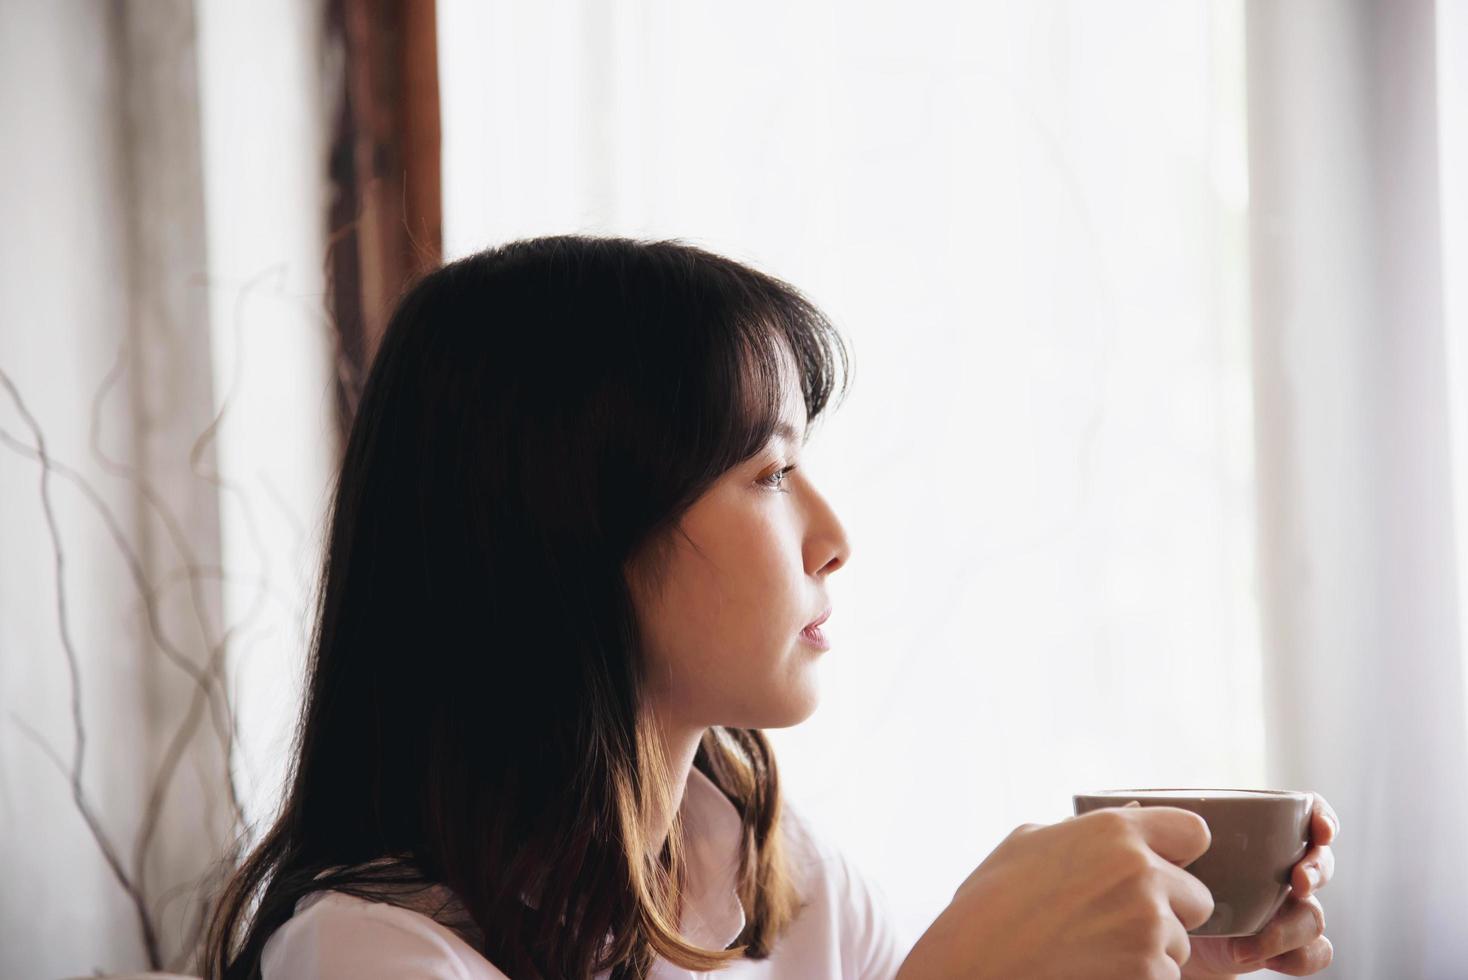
820 867
835 889
813 859
333 935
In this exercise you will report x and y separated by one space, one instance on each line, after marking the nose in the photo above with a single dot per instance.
827 547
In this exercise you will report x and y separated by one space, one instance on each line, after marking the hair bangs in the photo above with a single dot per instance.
774 338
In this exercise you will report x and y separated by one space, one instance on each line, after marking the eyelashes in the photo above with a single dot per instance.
773 483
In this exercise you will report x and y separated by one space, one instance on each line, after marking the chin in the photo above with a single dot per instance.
800 715
793 704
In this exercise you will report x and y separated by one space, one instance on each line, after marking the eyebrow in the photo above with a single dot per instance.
787 432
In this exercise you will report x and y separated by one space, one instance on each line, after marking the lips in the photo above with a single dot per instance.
819 620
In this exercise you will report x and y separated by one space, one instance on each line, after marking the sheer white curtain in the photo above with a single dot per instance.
104 372
1357 143
1030 219
161 340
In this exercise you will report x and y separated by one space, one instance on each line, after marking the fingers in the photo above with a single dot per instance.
1313 871
1190 899
1292 933
1303 962
1179 836
1178 945
1324 824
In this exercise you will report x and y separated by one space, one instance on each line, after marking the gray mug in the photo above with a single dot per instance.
1259 835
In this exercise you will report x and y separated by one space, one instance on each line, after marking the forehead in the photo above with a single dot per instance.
771 386
792 423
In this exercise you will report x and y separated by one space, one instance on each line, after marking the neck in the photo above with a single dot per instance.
679 745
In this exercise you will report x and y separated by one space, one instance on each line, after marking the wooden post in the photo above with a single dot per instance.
385 213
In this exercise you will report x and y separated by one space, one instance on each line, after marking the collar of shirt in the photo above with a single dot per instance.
713 917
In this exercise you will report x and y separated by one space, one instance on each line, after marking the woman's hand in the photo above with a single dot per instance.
1101 896
1294 940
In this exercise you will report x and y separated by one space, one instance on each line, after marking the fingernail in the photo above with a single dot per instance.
1312 874
1132 803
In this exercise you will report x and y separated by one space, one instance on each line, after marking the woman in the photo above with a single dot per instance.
573 570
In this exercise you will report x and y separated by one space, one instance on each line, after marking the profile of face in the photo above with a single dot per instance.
722 633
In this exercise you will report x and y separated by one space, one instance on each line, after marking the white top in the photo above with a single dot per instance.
843 929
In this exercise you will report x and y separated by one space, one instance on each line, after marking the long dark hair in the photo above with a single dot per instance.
539 416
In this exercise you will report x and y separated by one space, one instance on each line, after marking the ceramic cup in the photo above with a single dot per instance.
1259 835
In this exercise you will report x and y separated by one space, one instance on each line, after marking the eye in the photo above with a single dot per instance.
776 480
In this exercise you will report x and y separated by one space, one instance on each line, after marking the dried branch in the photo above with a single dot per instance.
210 687
206 680
74 774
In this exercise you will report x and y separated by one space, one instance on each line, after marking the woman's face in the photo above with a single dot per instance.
723 633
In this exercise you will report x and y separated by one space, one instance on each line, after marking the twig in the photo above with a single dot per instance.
78 760
211 686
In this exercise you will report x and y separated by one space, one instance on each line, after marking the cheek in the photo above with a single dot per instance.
725 648
758 594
